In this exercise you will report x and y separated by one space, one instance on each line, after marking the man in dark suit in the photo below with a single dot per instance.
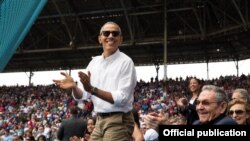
211 107
73 126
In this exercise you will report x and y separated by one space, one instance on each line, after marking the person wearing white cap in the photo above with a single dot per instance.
151 135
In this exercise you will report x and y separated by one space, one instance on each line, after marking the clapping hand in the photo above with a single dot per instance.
85 80
66 83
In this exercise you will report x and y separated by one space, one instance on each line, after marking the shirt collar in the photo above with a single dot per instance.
111 57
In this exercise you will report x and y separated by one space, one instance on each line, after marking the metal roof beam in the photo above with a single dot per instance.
63 21
223 12
199 23
128 21
241 16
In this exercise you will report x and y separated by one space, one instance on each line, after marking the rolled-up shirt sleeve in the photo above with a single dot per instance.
115 74
85 96
126 84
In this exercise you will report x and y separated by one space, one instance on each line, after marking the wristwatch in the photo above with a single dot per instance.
94 91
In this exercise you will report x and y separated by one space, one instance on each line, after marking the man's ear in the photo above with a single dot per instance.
99 39
223 107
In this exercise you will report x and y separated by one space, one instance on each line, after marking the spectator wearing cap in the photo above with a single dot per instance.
151 135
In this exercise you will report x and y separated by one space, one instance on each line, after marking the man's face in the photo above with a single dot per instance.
110 38
207 106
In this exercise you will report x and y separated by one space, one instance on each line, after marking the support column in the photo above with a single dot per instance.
207 61
165 40
30 77
237 67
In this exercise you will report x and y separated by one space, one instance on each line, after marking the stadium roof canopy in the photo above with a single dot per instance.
65 34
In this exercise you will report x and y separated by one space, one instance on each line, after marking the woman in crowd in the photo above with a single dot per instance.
241 94
189 108
90 127
239 110
137 134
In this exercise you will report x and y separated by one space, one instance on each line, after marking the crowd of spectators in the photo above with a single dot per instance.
34 111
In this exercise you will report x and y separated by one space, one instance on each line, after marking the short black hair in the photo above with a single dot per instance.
73 110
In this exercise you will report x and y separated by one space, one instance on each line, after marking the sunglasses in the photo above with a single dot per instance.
237 112
204 102
107 33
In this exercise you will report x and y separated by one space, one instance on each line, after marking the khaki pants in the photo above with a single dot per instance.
118 127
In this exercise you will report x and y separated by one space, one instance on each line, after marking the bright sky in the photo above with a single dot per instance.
143 72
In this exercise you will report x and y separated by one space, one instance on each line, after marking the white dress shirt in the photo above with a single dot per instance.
115 74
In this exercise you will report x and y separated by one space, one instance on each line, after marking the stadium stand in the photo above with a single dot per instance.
64 36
